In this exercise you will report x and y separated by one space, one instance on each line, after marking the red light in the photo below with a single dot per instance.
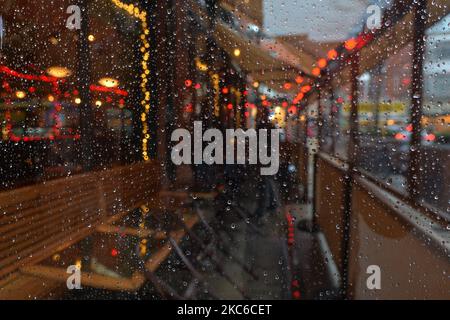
316 72
246 114
265 103
293 110
197 86
284 104
400 136
225 90
25 76
332 54
188 83
306 89
114 252
230 106
189 108
322 63
75 92
409 128
287 86
299 79
430 137
300 96
363 39
350 44
245 92
122 102
119 92
340 100
32 89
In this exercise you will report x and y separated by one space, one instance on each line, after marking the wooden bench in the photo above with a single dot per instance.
38 220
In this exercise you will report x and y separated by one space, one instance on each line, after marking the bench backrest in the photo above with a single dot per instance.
39 219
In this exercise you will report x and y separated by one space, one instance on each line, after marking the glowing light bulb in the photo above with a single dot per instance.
20 94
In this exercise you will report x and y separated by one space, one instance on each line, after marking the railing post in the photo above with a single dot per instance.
87 116
352 160
420 15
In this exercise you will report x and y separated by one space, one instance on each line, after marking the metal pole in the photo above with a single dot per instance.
413 178
87 115
348 182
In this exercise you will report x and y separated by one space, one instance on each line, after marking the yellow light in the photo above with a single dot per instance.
53 41
109 82
201 65
141 14
77 100
59 72
98 103
91 38
237 52
256 84
20 94
390 122
51 98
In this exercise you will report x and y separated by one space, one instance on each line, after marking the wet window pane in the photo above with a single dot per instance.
435 142
224 150
342 99
384 118
43 95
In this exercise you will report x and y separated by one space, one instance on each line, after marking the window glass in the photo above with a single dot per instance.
328 121
341 110
43 90
435 142
384 118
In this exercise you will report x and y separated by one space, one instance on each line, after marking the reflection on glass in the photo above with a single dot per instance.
383 114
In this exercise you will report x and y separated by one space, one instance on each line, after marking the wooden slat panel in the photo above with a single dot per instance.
329 199
38 218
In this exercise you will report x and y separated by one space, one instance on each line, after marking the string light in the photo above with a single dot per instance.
216 81
145 45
